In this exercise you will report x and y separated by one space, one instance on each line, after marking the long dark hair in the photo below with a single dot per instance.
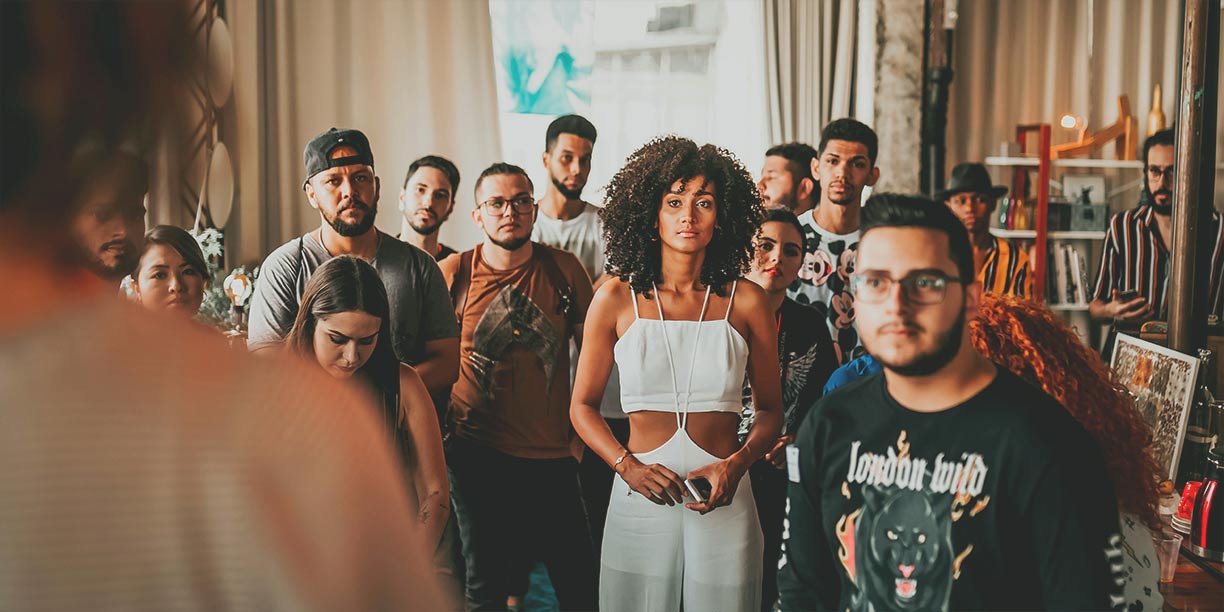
345 284
631 212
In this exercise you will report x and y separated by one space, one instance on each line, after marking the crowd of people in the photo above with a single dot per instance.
705 392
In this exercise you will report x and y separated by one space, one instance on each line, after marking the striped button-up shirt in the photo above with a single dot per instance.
1006 271
1136 258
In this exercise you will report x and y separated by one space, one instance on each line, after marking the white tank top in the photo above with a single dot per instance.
681 366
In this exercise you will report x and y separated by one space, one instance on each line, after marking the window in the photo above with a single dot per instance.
636 69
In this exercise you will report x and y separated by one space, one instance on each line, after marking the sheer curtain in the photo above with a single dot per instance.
415 76
810 65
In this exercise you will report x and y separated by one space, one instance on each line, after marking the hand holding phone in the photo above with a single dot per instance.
700 488
1130 306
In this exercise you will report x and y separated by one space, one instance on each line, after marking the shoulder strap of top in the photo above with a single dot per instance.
731 301
633 298
658 300
704 302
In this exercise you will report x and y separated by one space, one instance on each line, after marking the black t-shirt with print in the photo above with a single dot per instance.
1001 502
808 359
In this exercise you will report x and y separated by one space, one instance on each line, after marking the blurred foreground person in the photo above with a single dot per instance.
142 465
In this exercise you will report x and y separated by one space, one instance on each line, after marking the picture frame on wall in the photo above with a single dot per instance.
1162 383
1073 186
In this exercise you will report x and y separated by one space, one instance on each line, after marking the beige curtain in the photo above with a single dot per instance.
415 75
809 55
1030 61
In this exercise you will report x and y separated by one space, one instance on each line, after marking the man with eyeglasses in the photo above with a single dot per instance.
945 482
1002 267
514 476
1132 285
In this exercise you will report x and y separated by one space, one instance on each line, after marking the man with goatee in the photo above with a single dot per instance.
341 184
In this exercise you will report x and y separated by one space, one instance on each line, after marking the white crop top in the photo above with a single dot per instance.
681 366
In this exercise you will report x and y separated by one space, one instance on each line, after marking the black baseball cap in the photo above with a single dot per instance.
317 156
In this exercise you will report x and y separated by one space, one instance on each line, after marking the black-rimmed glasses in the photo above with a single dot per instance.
1158 173
918 288
497 206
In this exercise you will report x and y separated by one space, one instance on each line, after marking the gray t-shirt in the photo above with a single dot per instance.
420 303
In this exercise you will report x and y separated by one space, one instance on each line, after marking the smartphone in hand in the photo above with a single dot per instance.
1128 295
700 489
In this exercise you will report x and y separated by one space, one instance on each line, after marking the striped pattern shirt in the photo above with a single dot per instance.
1136 258
1006 271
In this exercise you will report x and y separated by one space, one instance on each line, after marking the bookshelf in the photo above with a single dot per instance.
1029 178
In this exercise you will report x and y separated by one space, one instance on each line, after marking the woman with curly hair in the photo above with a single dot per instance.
1033 343
679 223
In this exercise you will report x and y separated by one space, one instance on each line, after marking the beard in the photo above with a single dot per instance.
512 244
850 198
1165 209
112 267
427 228
570 194
947 346
349 230
785 202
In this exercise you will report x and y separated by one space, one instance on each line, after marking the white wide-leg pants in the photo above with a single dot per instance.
667 558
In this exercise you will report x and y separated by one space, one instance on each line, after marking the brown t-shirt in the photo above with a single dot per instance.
513 390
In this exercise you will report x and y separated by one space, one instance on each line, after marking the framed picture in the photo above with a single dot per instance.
1074 185
1162 382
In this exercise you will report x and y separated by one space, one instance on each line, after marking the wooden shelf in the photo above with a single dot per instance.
1056 235
1071 162
1069 307
1011 161
1066 163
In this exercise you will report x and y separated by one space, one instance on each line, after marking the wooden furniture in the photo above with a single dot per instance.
1124 133
1197 585
1035 147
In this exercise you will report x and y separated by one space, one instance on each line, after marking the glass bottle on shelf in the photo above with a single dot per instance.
1200 432
999 220
1019 215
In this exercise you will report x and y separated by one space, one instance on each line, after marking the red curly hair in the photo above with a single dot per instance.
1028 339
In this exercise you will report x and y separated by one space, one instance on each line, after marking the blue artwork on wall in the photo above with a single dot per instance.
544 55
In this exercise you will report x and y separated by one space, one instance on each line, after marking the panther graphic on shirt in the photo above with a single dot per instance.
897 546
904 554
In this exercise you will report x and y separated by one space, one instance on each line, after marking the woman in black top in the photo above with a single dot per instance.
807 357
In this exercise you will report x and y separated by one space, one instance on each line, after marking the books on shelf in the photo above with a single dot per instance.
1068 285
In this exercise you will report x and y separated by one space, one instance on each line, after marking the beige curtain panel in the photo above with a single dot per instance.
809 55
416 76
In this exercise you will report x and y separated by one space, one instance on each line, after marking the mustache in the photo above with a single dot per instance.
355 204
120 243
899 325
